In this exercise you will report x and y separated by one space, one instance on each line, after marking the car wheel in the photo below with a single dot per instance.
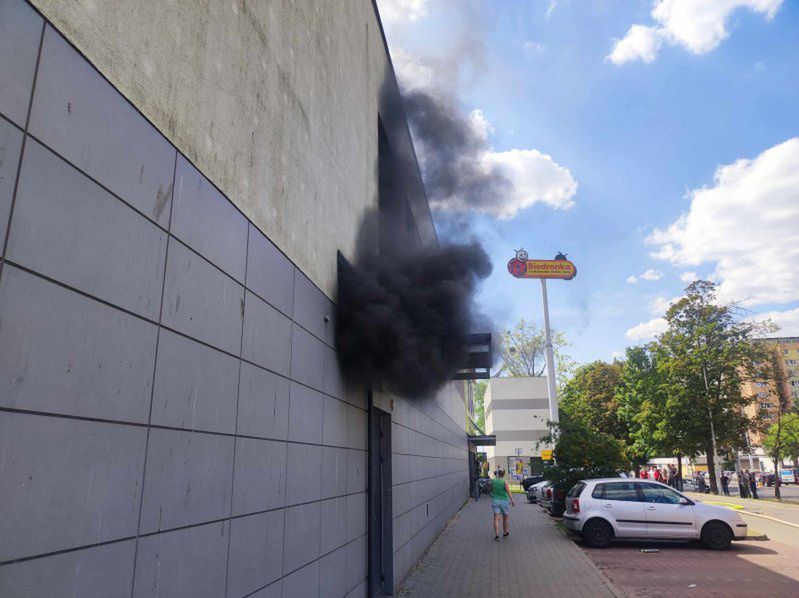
716 536
597 533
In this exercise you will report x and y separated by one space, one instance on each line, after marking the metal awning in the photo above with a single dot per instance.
478 360
483 439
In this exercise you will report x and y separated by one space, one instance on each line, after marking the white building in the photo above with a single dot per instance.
516 412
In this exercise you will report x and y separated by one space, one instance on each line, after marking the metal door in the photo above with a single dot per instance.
381 552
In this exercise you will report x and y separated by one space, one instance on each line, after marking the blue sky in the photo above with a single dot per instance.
642 129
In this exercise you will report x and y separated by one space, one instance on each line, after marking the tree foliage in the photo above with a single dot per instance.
522 351
589 398
705 355
582 452
783 435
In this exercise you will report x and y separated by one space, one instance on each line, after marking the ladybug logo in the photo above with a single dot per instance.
518 265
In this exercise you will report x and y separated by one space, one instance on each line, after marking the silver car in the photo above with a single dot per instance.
604 509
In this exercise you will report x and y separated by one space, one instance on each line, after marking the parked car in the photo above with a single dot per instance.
532 491
527 482
545 496
604 509
789 476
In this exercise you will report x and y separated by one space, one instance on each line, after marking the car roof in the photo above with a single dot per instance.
636 480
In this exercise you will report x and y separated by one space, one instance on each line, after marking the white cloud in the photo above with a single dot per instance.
632 280
660 304
411 72
480 125
697 25
689 276
617 355
652 275
640 43
747 223
535 178
402 11
647 330
788 321
534 46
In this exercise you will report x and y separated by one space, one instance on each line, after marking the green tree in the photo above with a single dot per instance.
589 397
581 452
522 351
705 355
782 439
479 403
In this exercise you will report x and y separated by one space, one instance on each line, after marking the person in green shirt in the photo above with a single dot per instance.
500 497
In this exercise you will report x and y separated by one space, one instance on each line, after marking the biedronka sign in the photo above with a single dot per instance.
522 267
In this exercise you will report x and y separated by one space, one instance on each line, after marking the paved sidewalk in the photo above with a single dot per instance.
536 560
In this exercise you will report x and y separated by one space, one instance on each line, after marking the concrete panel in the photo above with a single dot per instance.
187 480
79 115
334 524
195 386
333 574
305 414
263 403
334 423
356 561
270 274
356 515
259 480
183 564
256 553
307 358
357 424
334 471
66 483
10 147
68 228
356 471
206 221
360 590
20 32
102 572
273 591
267 336
63 353
303 583
304 473
201 302
334 384
311 306
301 544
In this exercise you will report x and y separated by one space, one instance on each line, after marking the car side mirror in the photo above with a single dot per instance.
685 501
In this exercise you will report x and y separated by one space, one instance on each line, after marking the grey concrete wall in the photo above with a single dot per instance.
172 418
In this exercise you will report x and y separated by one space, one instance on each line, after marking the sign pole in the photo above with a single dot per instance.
553 397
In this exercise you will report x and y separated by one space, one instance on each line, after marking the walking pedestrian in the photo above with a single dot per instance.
725 484
500 497
643 475
752 484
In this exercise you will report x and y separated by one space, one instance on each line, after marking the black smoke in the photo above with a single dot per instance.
450 152
403 322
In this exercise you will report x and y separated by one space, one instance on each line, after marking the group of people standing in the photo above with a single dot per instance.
665 475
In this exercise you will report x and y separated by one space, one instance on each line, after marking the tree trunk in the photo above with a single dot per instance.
710 454
679 472
777 479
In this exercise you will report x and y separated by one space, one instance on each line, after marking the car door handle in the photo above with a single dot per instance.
608 505
650 508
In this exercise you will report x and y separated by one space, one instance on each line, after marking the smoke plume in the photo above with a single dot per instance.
403 322
452 148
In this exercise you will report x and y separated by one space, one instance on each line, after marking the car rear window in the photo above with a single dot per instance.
576 490
623 491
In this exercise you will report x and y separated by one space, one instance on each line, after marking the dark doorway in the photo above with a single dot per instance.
381 546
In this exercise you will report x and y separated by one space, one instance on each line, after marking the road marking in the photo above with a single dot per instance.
771 518
729 505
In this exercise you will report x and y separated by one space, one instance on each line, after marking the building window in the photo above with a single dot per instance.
765 405
762 395
760 384
794 382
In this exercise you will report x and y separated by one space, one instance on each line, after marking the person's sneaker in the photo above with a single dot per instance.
496 538
506 534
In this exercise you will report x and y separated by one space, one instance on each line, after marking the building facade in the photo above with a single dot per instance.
769 396
176 183
516 412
